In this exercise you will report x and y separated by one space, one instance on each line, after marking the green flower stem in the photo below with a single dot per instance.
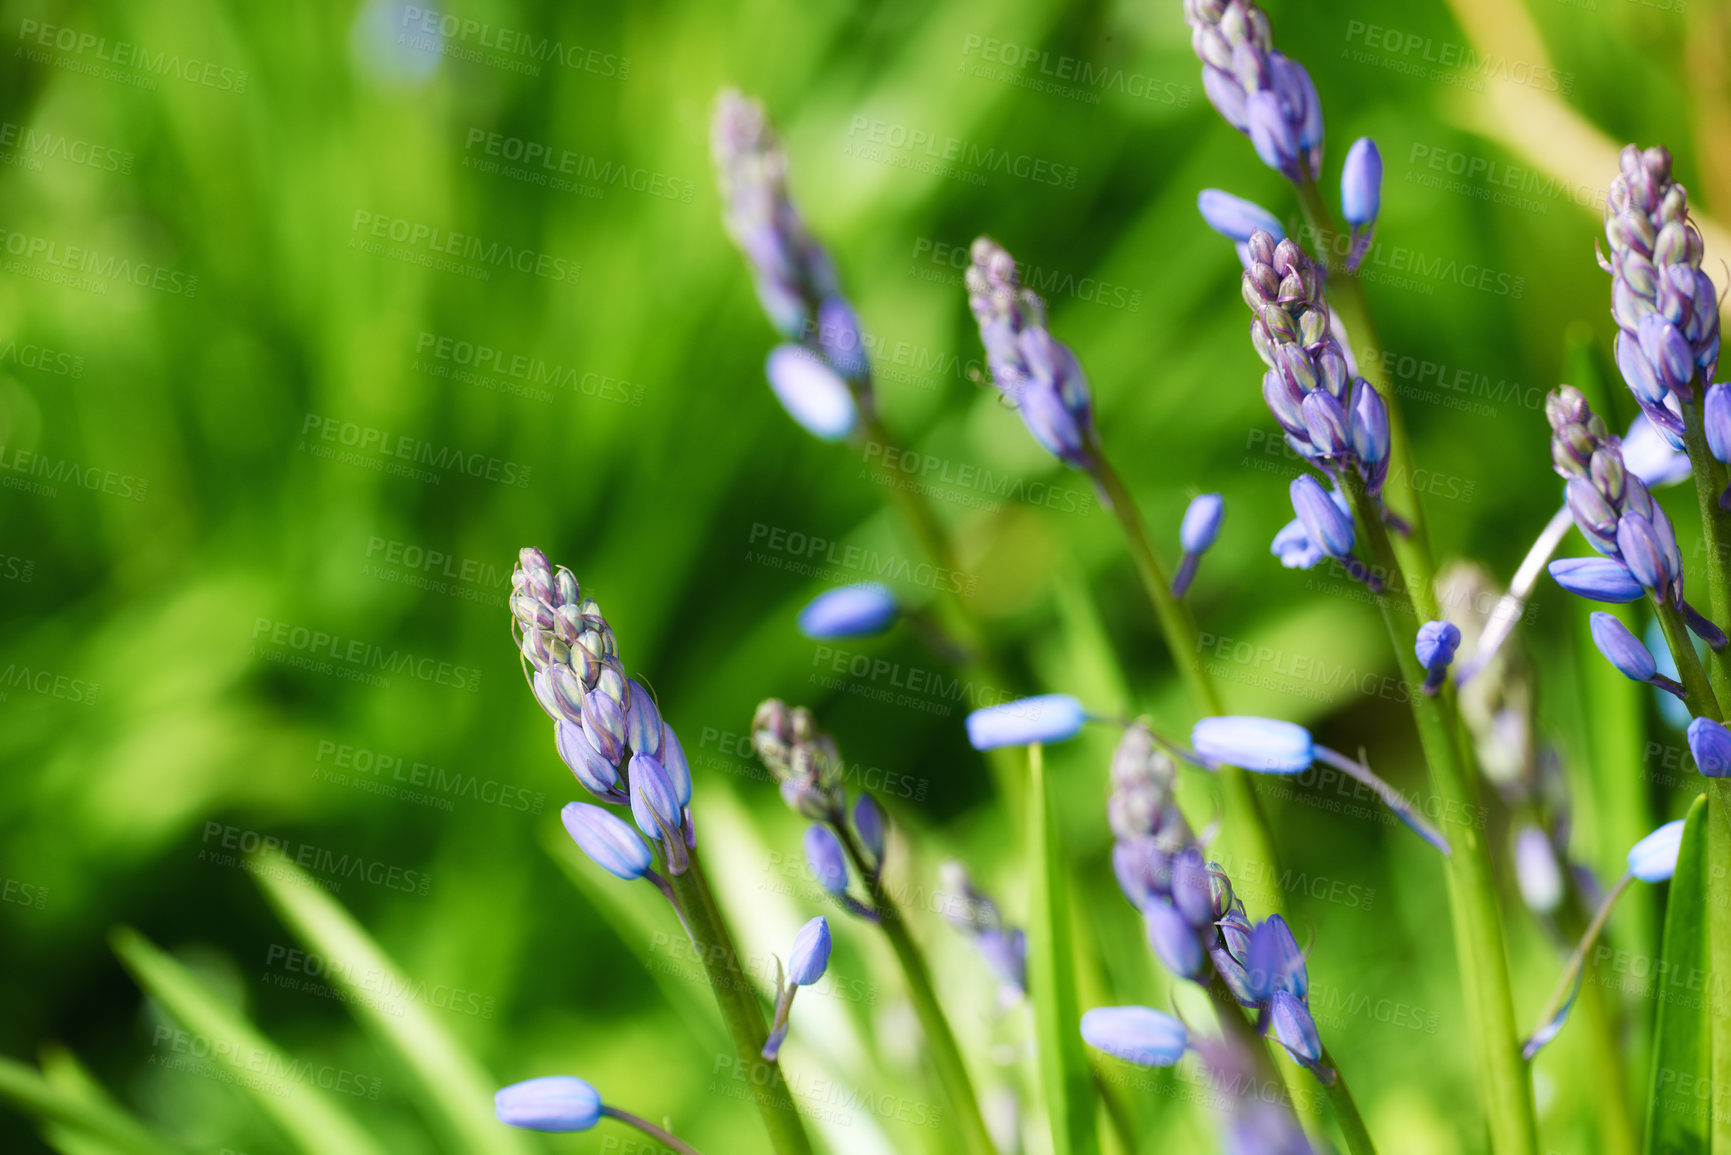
1699 694
1297 1081
1244 815
1710 478
741 1011
1719 951
1346 298
1358 1140
952 620
1619 1130
666 1138
1507 1088
941 1047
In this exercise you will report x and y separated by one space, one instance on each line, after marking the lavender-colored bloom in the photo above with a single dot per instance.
1265 745
825 859
1710 743
1274 962
812 393
1665 307
1327 526
1647 454
1716 409
1599 579
1192 889
1361 183
1236 218
869 823
654 804
1200 527
1654 858
550 1103
1626 652
1139 1035
1042 718
1037 373
840 340
1295 1028
1536 870
674 763
855 611
1174 940
597 775
1435 647
810 957
1260 92
1292 545
615 847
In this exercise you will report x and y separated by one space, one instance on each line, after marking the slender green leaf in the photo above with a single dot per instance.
1065 1078
310 1117
1680 1046
60 1108
459 1091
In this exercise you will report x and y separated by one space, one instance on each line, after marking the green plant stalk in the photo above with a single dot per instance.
1503 1075
1065 1074
941 1046
1698 693
665 1138
957 621
1619 1131
26 1089
1719 948
1346 298
1244 814
741 1011
1358 1140
1710 479
1269 1074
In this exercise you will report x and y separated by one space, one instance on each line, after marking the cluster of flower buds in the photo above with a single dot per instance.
822 375
1004 947
1617 515
1666 310
1258 90
607 727
1035 371
1331 417
807 764
1264 969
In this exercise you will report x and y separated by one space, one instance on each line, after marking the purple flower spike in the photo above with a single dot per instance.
813 394
1323 520
550 1103
1436 645
1263 745
1139 1035
1599 579
856 611
1654 858
1626 652
615 847
1710 743
1259 92
1042 718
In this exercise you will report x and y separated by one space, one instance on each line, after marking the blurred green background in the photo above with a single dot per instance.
202 300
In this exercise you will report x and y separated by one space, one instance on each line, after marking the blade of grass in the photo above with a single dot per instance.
26 1089
308 1116
1680 1044
459 1091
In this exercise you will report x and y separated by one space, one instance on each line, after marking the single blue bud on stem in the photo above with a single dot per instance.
1436 646
812 392
1236 219
805 966
609 840
1710 743
550 1103
1200 527
855 611
1328 526
1625 651
1139 1035
1598 579
1042 718
1654 858
1717 417
1361 196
